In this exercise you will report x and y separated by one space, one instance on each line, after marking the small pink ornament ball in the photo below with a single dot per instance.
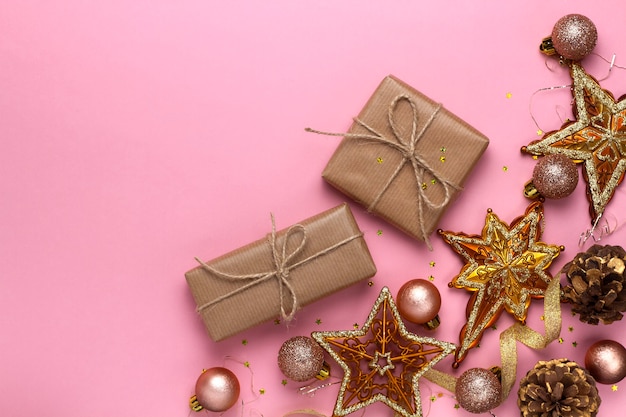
217 389
574 36
419 302
478 390
555 176
301 359
606 361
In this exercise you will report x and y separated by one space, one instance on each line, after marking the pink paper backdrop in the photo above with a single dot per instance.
135 135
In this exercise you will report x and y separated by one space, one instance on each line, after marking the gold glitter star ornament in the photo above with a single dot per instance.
597 139
505 267
382 361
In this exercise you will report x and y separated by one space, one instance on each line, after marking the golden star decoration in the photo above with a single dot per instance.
597 138
382 361
505 268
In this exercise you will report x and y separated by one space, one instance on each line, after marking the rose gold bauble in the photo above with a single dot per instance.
419 301
555 176
606 361
478 390
300 358
574 36
217 389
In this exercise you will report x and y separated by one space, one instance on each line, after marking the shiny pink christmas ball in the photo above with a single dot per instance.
478 390
217 389
574 36
606 361
555 176
418 301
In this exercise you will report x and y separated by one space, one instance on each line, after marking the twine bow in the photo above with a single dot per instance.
282 267
406 147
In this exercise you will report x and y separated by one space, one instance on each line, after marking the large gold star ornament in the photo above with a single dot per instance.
597 139
504 269
382 361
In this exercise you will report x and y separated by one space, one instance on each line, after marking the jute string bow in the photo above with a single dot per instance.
406 147
282 267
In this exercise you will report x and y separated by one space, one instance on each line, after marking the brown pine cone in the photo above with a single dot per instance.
596 279
558 388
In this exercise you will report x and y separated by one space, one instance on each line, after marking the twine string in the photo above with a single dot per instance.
407 149
283 265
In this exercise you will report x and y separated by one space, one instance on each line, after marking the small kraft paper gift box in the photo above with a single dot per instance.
275 276
405 158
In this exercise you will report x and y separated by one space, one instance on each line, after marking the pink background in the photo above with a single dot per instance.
135 135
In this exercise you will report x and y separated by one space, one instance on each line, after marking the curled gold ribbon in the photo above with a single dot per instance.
406 147
282 267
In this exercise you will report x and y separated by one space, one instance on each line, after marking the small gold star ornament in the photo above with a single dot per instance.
382 361
597 139
505 267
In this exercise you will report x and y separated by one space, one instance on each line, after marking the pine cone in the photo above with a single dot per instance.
596 279
558 388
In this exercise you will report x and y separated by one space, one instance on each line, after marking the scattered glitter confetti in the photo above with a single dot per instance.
276 321
614 388
433 181
379 232
442 158
379 160
570 328
371 283
318 321
509 95
244 342
456 406
262 391
432 264
442 149
505 168
424 186
433 398
560 340
356 326
431 278
284 382
574 343
539 132
246 364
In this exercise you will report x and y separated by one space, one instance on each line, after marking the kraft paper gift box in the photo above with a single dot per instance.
286 270
405 158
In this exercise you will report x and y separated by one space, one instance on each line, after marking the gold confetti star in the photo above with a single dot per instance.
276 321
442 158
494 327
442 149
505 168
433 398
613 388
318 321
456 406
356 326
509 95
431 278
244 342
574 343
379 232
542 318
432 264
560 340
371 283
570 328
246 364
379 160
284 382
424 186
539 132
262 391
433 181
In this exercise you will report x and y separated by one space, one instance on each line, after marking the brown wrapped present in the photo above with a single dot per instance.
275 276
405 158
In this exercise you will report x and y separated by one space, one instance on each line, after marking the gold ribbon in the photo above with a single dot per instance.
282 268
531 338
406 147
